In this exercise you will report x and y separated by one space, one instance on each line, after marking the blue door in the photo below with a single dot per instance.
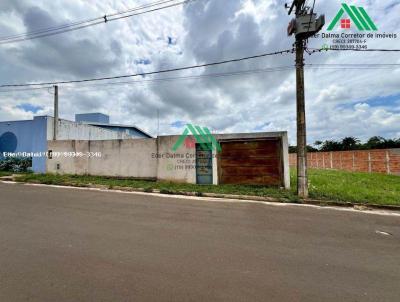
204 174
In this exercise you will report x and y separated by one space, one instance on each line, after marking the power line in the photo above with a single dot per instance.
105 20
312 9
353 64
168 79
311 14
221 75
322 66
368 50
343 66
88 23
152 72
25 89
152 10
47 29
51 33
194 77
310 51
354 68
140 7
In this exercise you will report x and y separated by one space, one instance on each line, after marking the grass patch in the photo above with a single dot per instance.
163 187
363 188
5 173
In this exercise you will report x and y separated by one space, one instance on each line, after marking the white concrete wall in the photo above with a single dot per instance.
286 168
148 158
127 158
68 130
176 166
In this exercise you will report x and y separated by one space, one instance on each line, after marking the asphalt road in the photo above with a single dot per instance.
59 244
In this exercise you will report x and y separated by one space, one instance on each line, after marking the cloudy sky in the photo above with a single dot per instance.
340 102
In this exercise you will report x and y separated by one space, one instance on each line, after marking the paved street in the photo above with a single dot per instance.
59 244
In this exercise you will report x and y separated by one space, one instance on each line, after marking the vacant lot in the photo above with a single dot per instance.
354 187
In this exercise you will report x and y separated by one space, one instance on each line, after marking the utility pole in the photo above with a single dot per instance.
55 124
158 122
303 26
302 178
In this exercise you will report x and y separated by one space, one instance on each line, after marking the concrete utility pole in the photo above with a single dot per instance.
158 122
303 26
302 179
55 124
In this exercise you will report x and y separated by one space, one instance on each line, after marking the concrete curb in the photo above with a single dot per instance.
358 206
316 202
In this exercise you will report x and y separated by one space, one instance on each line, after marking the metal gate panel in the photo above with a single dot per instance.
251 162
204 175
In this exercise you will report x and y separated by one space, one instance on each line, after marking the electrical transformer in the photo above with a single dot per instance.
306 25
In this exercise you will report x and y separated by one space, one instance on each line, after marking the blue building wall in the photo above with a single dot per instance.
39 143
25 136
32 135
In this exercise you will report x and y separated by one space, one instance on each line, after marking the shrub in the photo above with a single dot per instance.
15 164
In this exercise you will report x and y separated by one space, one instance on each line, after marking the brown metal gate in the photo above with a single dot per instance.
251 161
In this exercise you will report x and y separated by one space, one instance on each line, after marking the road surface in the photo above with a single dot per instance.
62 244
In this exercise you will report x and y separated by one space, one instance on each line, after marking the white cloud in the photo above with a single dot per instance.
203 31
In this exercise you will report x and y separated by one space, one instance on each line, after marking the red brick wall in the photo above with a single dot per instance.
379 160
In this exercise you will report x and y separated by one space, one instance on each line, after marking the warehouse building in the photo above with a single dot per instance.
92 145
32 136
103 121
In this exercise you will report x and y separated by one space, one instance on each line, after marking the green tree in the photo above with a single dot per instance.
318 144
350 143
329 145
376 142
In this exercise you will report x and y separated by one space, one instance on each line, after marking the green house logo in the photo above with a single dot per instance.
356 14
202 136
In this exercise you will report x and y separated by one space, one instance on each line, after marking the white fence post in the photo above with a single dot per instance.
369 162
387 162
